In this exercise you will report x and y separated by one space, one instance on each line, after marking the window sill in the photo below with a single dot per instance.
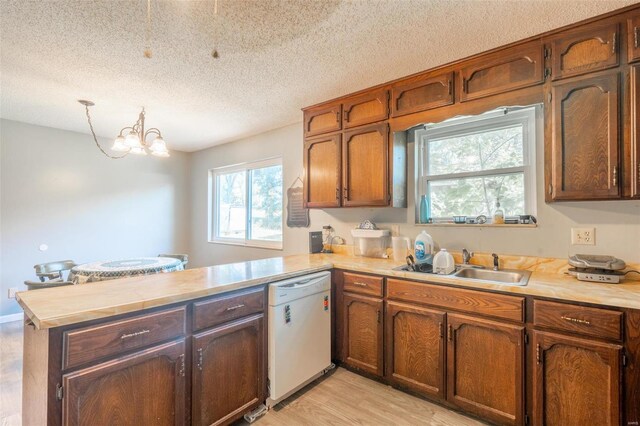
475 225
275 246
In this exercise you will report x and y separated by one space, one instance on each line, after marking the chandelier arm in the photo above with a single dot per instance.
95 139
152 131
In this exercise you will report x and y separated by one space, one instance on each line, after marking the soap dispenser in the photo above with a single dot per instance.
498 215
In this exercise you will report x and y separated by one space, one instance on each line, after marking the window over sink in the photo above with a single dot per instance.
466 164
246 204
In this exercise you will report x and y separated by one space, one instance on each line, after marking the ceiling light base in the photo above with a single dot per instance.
86 102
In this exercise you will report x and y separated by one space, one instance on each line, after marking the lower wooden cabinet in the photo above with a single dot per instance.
485 367
576 381
415 348
362 330
147 387
228 370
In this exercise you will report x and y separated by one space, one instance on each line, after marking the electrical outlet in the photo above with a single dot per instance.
12 292
583 236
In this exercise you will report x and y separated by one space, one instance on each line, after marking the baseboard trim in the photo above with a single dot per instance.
10 318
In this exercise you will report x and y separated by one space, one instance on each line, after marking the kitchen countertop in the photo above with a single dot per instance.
54 307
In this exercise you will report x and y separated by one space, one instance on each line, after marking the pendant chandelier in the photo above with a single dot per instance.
132 139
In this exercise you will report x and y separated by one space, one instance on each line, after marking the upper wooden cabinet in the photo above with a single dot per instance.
324 119
147 387
365 109
485 367
323 177
584 147
421 94
576 381
415 348
508 69
633 40
585 49
365 166
361 330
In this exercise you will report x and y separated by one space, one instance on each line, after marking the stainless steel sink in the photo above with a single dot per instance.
504 276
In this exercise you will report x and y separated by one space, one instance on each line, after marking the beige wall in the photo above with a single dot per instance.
617 223
56 188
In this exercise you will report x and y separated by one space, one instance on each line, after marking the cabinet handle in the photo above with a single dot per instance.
635 37
135 334
464 85
199 365
345 115
550 189
181 365
615 175
614 43
337 116
450 332
345 191
639 172
338 194
576 320
378 316
360 284
538 353
450 87
440 330
233 308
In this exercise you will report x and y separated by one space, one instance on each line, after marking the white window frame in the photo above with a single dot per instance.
492 120
214 193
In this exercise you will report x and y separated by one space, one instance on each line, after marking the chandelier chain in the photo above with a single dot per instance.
147 33
95 139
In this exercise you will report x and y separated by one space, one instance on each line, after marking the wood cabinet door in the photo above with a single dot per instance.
362 345
415 348
322 172
325 119
585 49
147 387
365 165
421 94
485 368
576 381
228 371
509 69
585 148
635 130
365 109
633 40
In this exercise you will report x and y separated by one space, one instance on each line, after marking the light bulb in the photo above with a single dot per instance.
118 145
133 140
138 150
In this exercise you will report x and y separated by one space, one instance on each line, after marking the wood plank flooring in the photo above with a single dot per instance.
340 398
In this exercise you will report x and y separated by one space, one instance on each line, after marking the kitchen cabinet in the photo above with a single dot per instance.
415 348
365 165
147 387
421 94
362 331
633 40
323 172
324 119
365 109
509 69
635 130
584 149
485 368
228 371
576 381
585 49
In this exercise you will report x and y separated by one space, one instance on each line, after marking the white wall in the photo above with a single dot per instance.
617 223
56 188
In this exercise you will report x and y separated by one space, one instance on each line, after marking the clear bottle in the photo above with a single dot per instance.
498 214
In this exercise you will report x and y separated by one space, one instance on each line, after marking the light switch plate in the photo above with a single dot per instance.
583 236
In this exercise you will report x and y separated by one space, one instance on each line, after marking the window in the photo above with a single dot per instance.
246 206
466 164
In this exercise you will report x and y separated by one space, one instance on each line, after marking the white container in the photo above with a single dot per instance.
423 248
401 247
370 242
443 263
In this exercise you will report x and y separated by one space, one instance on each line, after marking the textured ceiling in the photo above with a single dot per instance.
276 56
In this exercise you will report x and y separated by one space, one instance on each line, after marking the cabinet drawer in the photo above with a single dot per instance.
98 341
363 284
489 304
594 322
222 309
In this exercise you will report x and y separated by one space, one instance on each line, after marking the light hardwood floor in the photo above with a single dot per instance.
340 398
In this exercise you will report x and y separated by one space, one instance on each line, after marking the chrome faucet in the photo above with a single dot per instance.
466 256
496 262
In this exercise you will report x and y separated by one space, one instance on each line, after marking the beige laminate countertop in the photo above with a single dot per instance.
60 306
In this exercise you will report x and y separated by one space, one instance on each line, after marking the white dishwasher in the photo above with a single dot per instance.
299 333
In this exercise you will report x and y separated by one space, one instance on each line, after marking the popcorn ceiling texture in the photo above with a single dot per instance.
277 56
